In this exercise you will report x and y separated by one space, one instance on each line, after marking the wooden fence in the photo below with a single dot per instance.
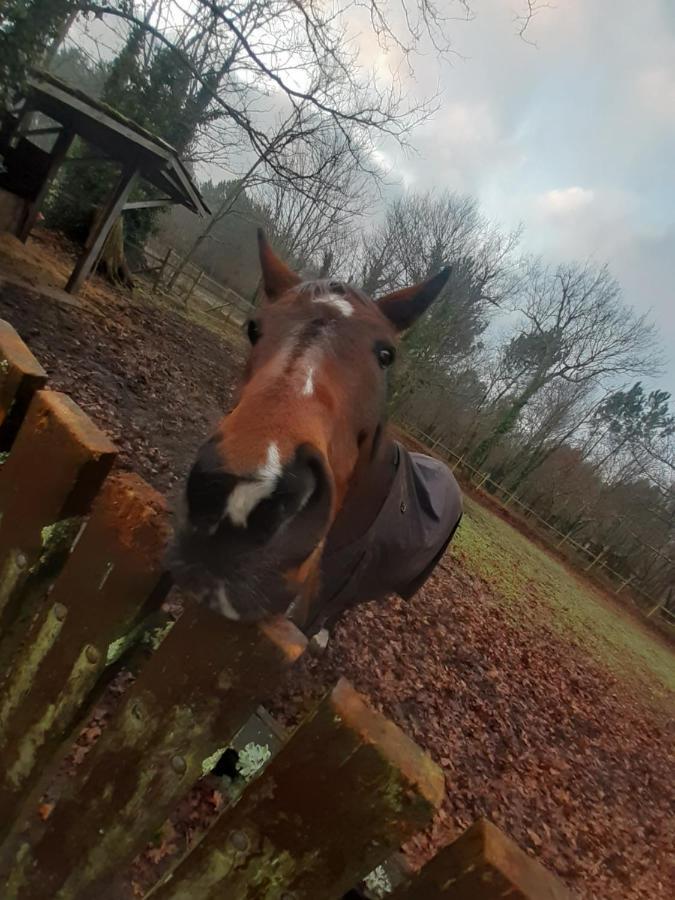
193 288
81 551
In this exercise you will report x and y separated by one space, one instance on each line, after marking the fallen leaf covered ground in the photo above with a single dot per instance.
531 730
547 705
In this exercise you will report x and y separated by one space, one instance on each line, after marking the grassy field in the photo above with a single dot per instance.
536 588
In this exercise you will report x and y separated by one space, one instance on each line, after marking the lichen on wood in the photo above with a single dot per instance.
346 790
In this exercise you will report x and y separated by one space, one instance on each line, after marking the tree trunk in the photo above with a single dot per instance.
112 262
59 37
535 459
506 423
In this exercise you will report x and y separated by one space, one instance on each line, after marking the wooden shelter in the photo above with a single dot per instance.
27 170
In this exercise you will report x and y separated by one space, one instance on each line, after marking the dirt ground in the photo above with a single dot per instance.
547 709
152 379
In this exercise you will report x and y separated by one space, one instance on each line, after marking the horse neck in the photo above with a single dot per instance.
365 496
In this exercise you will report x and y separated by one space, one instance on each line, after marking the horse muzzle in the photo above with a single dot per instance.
241 533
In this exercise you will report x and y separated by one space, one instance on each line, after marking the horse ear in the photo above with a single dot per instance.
277 277
404 307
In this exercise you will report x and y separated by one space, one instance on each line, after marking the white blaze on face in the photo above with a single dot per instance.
308 386
311 360
247 495
341 304
309 368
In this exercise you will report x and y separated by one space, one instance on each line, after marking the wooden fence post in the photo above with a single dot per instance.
347 789
483 480
21 375
162 268
197 690
458 462
191 290
565 538
625 583
56 467
483 864
595 559
661 603
110 574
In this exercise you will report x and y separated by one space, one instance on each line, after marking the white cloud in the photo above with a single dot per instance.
564 201
581 223
575 139
460 147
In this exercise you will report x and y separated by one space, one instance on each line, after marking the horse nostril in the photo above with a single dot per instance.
309 470
297 513
208 487
298 486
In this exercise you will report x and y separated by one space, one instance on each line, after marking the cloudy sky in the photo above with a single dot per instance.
572 135
575 137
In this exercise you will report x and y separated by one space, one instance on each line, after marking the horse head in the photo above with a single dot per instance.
267 486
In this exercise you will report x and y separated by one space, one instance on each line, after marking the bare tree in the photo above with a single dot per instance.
258 84
309 219
420 234
246 52
304 53
553 419
573 328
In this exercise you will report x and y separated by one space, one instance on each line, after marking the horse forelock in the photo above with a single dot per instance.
321 288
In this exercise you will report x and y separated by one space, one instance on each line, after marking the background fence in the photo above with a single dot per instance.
590 560
81 574
191 286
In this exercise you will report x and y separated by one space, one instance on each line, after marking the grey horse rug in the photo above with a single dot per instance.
401 548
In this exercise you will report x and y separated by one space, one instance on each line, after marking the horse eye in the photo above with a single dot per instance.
253 331
385 356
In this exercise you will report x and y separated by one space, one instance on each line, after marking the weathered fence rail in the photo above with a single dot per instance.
20 376
482 864
81 568
104 586
345 792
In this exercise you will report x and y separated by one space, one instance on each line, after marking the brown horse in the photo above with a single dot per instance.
300 503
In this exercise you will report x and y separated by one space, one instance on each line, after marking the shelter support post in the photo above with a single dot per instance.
112 209
58 154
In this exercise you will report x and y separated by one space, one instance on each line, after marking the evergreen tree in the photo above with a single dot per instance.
29 30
